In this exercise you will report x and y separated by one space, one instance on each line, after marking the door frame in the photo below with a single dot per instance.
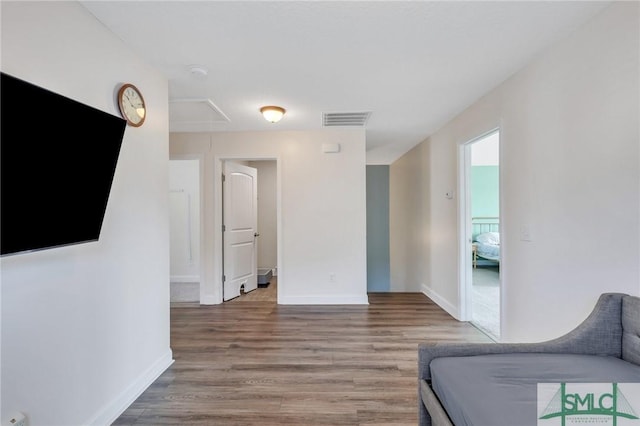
215 296
465 228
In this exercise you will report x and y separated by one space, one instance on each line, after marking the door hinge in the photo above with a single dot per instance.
224 228
224 278
224 178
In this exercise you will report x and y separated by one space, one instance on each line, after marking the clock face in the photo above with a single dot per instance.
131 105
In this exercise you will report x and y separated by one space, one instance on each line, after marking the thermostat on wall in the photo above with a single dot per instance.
330 148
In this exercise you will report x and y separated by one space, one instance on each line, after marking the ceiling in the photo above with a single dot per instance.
412 65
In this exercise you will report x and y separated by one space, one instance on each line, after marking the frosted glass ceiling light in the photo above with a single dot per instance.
273 114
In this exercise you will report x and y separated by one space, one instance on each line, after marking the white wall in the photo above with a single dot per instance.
486 153
322 215
184 197
409 233
267 213
569 128
85 328
184 224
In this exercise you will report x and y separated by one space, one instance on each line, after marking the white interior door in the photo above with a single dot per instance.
240 222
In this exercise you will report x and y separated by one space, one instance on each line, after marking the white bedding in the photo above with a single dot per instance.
488 245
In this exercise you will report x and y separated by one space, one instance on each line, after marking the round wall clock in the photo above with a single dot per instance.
131 104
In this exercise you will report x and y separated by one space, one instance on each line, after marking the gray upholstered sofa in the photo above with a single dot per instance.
495 384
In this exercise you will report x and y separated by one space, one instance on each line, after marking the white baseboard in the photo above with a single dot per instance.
209 300
324 300
184 292
440 301
115 408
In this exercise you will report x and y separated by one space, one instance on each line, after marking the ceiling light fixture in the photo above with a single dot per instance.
272 114
198 72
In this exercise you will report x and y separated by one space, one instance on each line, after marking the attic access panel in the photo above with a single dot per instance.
195 114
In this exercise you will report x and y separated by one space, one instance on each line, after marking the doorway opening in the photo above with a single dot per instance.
481 225
249 214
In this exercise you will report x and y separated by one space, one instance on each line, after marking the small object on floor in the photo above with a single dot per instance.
264 277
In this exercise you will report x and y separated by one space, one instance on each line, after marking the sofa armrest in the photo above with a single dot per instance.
599 334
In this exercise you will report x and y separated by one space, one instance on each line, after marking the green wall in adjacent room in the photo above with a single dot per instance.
485 197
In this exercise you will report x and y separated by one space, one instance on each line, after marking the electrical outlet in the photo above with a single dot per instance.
332 278
18 419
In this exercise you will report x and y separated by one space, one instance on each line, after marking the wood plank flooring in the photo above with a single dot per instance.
253 362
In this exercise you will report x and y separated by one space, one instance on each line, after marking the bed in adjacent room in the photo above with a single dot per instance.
486 240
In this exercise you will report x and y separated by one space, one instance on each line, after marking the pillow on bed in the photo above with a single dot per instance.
489 238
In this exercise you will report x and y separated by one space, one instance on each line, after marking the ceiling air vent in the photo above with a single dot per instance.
345 118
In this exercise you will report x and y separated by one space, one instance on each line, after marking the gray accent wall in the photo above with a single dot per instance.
378 272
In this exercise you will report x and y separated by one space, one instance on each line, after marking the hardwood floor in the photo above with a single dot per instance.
250 362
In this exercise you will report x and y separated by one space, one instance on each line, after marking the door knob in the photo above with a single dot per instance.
256 235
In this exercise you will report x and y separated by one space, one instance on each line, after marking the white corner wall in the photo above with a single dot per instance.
569 126
322 210
409 232
85 328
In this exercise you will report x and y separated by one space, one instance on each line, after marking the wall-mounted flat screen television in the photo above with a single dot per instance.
58 157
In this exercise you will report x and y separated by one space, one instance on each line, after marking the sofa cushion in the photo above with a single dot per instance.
631 329
501 389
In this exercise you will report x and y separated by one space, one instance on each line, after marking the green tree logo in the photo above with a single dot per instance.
612 404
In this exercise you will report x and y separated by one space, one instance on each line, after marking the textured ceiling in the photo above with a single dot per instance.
414 65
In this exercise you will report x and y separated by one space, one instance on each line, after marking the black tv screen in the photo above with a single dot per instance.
58 158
